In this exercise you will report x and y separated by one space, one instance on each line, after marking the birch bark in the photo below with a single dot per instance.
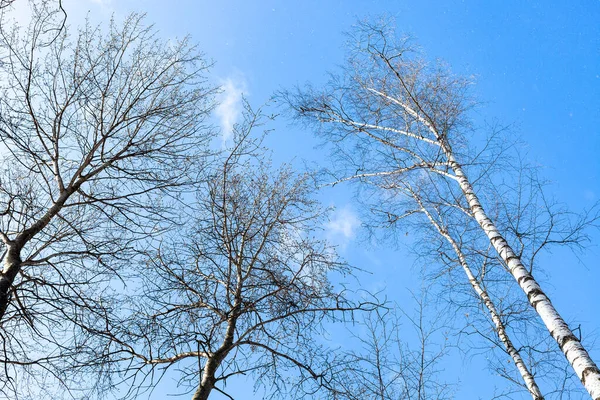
585 368
570 345
208 381
391 113
526 375
406 145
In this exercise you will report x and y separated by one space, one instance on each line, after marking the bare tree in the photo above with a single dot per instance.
99 133
483 295
246 289
452 248
385 364
391 118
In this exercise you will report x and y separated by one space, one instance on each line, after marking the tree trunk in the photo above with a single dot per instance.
528 378
12 259
215 359
208 380
578 357
570 345
11 267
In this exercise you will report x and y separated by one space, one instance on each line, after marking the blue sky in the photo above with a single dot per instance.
537 67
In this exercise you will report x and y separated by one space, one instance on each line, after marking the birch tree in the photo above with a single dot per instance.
99 132
505 312
246 288
391 116
451 248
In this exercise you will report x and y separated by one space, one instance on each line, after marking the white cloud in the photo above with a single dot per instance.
230 104
341 228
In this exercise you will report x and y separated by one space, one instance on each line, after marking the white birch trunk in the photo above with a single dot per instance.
208 380
214 361
576 354
570 345
585 368
528 378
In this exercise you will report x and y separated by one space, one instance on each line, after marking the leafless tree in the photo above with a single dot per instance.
99 133
392 118
386 365
510 323
246 289
442 230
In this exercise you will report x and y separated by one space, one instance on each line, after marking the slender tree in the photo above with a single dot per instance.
98 134
392 117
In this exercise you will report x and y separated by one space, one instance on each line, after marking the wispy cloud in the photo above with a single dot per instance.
342 227
230 104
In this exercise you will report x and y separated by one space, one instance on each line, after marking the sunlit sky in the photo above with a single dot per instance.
537 68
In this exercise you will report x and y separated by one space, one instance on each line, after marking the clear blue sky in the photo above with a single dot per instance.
537 65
